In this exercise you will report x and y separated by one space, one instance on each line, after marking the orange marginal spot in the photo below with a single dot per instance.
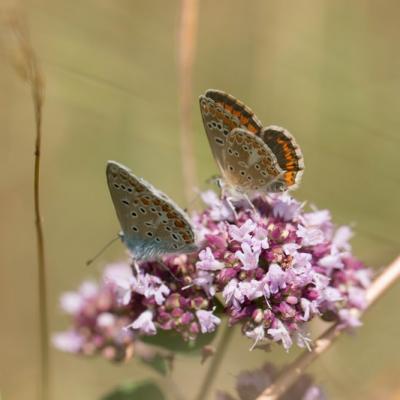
236 113
156 202
186 237
290 178
165 207
179 223
228 108
252 128
244 120
145 201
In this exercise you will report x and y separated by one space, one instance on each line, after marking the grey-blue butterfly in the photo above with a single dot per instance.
152 224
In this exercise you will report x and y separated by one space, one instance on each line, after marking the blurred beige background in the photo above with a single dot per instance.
329 71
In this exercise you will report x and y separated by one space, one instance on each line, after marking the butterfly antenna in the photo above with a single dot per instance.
88 262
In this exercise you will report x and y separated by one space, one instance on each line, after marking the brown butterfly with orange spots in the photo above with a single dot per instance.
251 158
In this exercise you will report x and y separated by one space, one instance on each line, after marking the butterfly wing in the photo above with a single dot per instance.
151 222
288 154
221 114
248 163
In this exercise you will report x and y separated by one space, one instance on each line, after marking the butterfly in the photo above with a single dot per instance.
152 224
251 158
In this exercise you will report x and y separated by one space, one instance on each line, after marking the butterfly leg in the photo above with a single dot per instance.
135 267
231 206
249 202
165 268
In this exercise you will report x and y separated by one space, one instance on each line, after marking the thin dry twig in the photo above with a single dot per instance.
187 43
27 67
288 377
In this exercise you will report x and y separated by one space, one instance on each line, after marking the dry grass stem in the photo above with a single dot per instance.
187 44
25 62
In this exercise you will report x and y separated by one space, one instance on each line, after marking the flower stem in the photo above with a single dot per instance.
288 377
43 312
28 69
187 40
215 362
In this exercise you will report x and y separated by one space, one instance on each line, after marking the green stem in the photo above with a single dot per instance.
215 363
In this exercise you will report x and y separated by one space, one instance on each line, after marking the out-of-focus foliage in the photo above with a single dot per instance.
136 391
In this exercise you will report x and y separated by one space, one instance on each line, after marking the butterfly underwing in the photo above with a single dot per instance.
152 224
251 158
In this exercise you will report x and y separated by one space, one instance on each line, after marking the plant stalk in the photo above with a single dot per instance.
187 44
27 67
216 361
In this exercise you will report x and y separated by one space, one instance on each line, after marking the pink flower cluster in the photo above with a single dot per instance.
278 266
272 265
98 319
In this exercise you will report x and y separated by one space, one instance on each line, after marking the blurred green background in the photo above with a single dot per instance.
329 71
